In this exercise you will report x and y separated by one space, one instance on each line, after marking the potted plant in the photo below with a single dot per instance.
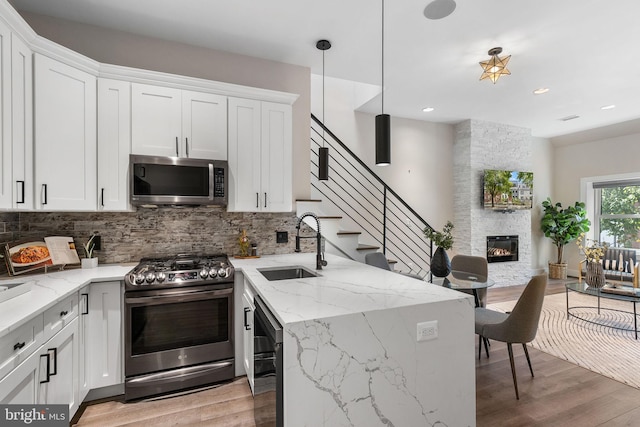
562 225
89 261
440 264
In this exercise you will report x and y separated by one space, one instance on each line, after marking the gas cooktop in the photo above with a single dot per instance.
180 270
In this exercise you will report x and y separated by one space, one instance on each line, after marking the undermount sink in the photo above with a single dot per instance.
285 273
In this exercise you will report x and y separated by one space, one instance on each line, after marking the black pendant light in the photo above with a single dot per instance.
383 121
323 152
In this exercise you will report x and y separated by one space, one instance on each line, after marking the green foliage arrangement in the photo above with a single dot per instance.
563 225
442 239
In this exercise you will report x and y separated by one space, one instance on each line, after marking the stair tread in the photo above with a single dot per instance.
392 261
341 232
309 200
329 217
367 247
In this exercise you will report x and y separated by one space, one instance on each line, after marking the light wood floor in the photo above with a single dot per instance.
561 394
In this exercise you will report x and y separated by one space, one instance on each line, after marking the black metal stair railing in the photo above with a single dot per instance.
363 197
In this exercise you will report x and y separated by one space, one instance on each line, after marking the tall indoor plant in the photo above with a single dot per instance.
440 264
562 225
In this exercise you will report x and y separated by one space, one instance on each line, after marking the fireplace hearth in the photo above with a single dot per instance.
502 248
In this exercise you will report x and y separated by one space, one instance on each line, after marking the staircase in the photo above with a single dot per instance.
359 213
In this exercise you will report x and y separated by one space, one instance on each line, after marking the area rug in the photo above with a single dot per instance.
611 352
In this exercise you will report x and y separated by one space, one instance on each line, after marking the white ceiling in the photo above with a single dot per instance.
584 51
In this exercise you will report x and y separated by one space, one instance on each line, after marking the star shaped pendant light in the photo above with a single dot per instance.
495 67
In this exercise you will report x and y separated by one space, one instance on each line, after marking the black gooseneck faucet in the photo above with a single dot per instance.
319 255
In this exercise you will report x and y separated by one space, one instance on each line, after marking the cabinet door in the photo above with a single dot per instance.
276 160
65 136
114 144
247 302
103 342
156 120
244 155
22 123
63 367
204 125
6 176
22 384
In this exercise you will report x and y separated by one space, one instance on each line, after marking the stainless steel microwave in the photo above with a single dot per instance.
156 180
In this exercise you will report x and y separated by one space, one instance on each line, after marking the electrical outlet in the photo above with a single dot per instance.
427 330
282 236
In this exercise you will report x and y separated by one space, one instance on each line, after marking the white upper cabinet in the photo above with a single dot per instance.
204 125
114 144
65 136
260 159
178 123
16 145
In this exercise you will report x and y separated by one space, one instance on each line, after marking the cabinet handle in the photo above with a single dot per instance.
43 194
257 200
246 321
186 145
21 191
53 354
102 197
18 345
48 370
265 200
177 154
86 304
63 313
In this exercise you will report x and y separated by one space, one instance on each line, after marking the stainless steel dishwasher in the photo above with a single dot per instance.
268 368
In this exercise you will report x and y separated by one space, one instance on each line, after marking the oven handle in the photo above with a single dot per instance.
182 296
181 374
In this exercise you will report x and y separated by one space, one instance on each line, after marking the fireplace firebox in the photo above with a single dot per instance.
502 248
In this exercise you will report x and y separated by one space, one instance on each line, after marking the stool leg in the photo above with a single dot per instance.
513 370
526 352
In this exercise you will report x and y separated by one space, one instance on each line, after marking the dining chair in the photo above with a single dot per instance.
378 259
518 326
472 264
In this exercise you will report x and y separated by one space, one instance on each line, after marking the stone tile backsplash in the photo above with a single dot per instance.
129 236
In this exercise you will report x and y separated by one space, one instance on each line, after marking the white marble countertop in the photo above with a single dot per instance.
342 287
47 289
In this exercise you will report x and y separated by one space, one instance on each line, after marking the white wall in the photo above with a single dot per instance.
542 249
600 158
421 152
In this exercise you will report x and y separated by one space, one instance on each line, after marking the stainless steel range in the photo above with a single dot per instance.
178 324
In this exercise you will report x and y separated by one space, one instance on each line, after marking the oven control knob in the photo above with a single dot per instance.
160 277
150 277
222 272
213 272
139 279
204 273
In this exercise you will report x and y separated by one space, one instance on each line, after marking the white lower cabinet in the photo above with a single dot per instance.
82 350
60 383
248 307
100 336
49 375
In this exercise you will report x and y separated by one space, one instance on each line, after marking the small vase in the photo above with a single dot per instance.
595 275
89 262
440 264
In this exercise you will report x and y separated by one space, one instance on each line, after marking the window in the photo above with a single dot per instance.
617 213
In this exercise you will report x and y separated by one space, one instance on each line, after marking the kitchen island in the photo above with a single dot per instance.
351 353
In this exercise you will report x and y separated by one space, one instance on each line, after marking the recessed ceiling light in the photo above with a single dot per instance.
608 107
541 90
428 109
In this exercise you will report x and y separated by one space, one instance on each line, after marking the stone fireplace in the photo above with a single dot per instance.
478 146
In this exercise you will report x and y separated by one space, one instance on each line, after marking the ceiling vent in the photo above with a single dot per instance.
572 117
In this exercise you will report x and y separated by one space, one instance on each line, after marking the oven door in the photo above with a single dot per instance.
172 328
